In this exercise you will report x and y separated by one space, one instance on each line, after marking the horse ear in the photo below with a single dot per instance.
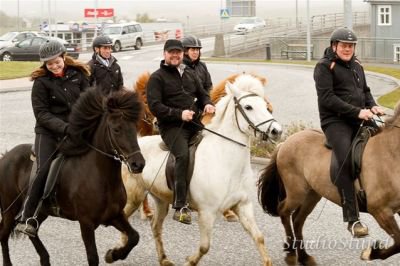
231 89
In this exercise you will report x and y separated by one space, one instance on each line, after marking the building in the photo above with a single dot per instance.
385 28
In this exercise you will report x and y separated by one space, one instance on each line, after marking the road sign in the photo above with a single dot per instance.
224 13
101 12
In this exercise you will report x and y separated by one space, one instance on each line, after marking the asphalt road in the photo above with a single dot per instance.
292 93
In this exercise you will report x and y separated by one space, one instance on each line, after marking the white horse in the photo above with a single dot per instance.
222 177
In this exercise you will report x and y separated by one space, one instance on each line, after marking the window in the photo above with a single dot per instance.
385 15
132 29
396 52
37 41
25 43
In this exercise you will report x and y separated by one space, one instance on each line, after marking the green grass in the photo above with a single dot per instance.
11 70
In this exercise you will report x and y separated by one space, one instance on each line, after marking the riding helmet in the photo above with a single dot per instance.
102 41
343 35
191 42
50 50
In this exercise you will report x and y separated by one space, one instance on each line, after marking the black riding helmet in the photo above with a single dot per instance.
343 35
100 41
50 50
191 42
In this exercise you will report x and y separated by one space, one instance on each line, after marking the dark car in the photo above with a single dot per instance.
28 50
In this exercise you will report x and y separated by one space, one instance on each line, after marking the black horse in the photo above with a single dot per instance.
89 188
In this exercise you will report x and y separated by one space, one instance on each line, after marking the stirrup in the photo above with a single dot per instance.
33 219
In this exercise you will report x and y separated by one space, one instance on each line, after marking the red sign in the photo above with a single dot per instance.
99 12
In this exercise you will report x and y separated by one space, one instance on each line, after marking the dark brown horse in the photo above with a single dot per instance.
298 176
89 187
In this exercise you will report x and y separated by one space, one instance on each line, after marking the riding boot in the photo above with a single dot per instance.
179 194
351 215
182 212
28 224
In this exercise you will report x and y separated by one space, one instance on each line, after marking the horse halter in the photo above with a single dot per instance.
256 128
117 155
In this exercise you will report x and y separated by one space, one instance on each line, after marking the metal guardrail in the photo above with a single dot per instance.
287 28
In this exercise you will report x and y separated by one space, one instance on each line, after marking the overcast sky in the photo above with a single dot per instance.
200 11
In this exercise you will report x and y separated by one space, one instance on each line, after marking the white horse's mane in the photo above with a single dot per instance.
243 83
249 83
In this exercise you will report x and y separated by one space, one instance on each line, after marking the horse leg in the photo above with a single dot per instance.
387 221
298 218
285 209
246 217
289 246
161 212
206 223
88 236
121 223
146 212
39 247
6 226
135 193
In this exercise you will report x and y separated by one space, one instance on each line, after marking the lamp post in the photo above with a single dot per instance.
18 15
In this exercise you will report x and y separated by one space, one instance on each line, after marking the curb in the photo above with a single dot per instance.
259 161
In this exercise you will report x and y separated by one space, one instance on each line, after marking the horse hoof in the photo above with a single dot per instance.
267 263
366 254
230 216
167 263
108 257
291 259
309 261
189 262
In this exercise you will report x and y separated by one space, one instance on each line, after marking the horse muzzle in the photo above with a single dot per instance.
136 164
273 134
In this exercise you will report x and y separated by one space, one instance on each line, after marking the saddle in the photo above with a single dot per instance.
49 192
170 167
357 150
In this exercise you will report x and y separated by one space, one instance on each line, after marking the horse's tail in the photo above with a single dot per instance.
271 190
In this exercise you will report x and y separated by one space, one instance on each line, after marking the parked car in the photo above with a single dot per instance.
249 24
125 35
28 50
10 38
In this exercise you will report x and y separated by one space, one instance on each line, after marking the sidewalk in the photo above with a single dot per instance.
9 85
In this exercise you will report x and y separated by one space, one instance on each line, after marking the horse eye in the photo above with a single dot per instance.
248 107
116 130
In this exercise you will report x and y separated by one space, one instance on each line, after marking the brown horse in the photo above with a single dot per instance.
89 187
298 176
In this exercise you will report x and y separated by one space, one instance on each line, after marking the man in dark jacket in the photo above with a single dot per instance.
106 72
344 101
176 97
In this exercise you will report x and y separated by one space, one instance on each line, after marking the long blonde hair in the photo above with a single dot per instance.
69 61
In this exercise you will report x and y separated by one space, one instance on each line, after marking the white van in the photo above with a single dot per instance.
125 35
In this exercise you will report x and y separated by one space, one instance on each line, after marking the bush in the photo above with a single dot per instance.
264 149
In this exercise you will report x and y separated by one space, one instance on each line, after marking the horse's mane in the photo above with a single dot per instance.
88 111
392 120
219 90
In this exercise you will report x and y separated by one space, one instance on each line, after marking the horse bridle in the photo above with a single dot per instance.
117 155
256 128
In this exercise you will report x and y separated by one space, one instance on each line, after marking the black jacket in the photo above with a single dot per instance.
341 88
169 93
106 78
52 99
201 70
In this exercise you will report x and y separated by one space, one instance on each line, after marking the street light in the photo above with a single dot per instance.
18 15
